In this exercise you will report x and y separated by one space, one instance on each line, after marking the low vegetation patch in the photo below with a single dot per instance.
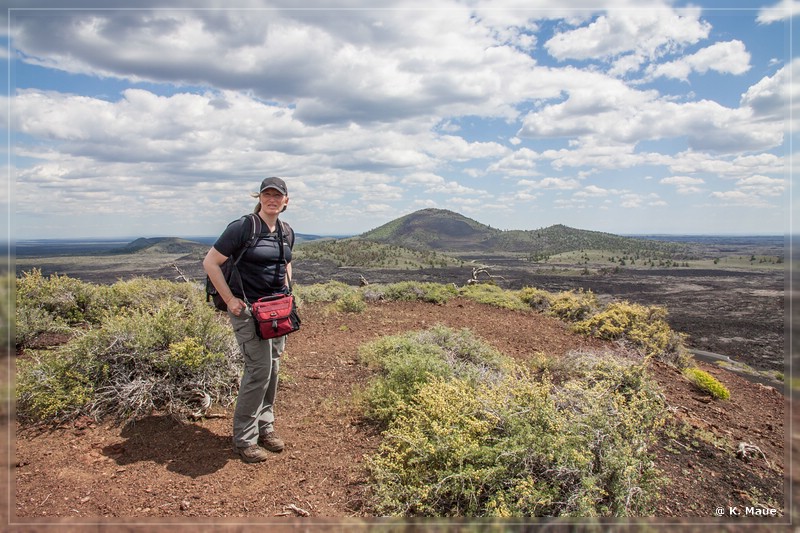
57 304
149 345
352 302
355 252
95 372
497 442
52 304
404 291
490 294
571 306
407 291
645 327
322 292
707 383
405 362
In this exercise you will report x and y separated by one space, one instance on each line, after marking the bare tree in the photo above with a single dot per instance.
481 270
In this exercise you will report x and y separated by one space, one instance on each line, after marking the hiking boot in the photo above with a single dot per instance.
252 454
271 441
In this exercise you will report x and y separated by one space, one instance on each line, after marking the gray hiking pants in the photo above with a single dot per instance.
254 413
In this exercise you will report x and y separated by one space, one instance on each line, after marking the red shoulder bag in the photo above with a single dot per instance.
275 316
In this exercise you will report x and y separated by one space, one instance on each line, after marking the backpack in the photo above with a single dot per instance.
229 266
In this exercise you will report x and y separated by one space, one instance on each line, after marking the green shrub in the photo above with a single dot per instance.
486 293
160 356
52 304
68 298
707 383
413 291
567 305
625 368
406 362
59 303
573 306
351 302
31 322
323 292
643 326
7 307
190 355
145 294
51 387
554 367
538 299
516 447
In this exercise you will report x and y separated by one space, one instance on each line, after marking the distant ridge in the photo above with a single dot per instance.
444 230
177 245
160 245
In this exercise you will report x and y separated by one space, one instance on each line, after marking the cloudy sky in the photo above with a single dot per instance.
142 120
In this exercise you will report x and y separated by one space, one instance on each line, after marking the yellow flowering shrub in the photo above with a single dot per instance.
643 326
573 305
707 383
506 444
406 362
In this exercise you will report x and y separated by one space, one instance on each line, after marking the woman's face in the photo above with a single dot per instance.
272 202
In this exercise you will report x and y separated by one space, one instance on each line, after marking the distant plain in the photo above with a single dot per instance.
729 299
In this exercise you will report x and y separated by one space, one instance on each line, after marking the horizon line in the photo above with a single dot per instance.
346 235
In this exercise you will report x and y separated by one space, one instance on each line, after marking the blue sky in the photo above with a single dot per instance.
153 119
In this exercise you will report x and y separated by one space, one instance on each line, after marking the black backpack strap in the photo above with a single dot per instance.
255 231
287 229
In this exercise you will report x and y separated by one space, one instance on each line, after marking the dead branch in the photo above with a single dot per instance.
292 508
747 451
481 270
363 281
205 404
180 274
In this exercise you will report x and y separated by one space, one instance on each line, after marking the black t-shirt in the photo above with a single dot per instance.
260 268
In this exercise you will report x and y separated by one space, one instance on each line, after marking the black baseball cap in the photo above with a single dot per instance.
274 183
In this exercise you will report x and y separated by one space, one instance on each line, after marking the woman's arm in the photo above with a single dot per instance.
212 264
289 274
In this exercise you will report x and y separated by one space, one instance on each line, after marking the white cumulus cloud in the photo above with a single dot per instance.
644 34
684 184
729 57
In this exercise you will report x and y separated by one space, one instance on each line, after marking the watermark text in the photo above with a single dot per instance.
746 511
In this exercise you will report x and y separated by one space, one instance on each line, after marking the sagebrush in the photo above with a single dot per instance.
140 345
500 442
405 362
644 327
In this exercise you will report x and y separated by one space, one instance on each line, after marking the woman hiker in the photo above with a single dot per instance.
262 273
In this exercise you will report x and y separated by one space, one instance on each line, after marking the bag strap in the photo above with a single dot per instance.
281 256
290 241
